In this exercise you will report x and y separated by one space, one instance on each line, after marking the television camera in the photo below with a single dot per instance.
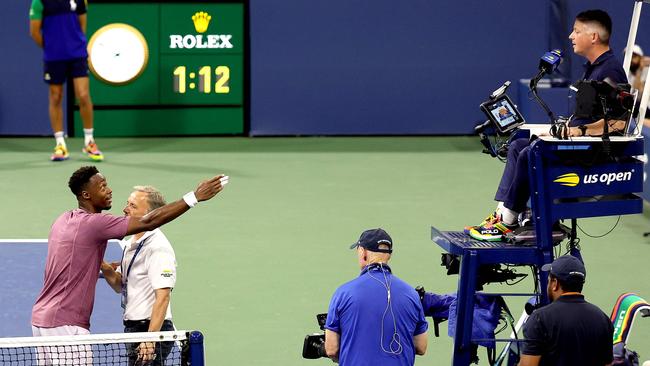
314 345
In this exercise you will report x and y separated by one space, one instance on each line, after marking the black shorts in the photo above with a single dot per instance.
163 349
57 72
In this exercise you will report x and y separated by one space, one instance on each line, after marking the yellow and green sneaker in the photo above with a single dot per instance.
93 152
492 218
60 153
491 232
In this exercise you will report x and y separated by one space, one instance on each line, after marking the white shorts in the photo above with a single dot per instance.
63 355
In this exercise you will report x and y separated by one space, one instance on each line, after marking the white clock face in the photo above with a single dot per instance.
117 53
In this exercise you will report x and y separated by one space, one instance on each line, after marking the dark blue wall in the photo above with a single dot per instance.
23 94
384 66
353 67
397 67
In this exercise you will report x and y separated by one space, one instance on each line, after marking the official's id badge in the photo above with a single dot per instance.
123 297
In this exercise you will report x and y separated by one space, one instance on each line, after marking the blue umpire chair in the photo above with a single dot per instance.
569 180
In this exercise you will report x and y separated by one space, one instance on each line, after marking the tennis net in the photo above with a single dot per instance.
175 348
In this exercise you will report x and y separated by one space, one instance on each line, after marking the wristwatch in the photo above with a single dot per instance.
583 130
117 54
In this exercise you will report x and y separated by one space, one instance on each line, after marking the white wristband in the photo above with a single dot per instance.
190 199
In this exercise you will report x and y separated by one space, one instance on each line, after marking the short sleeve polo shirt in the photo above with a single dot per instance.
605 66
63 38
569 332
356 312
153 268
75 248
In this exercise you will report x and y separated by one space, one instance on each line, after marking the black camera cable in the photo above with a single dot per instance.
606 147
602 235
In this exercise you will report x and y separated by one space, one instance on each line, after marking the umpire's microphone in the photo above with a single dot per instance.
550 61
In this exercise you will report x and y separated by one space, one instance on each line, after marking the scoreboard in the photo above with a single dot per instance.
167 68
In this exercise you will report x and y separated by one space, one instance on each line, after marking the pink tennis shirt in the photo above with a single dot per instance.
75 250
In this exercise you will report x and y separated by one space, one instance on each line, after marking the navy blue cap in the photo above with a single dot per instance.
567 268
372 239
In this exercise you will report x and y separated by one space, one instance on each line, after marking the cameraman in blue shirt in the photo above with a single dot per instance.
375 319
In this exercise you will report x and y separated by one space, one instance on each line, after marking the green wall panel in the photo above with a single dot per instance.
165 122
145 90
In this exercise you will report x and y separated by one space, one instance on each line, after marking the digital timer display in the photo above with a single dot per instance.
204 81
195 79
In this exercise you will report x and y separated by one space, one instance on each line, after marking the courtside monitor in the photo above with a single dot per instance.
503 113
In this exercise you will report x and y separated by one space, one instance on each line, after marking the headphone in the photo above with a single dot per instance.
376 267
395 345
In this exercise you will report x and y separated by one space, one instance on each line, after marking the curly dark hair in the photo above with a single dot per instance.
80 178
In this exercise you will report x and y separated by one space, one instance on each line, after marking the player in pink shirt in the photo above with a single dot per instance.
77 243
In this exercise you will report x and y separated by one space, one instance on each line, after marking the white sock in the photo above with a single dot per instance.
499 208
88 136
59 137
508 216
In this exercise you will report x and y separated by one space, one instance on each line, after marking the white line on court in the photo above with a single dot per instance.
13 241
35 241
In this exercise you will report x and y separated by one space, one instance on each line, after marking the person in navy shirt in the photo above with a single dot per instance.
59 27
568 331
590 38
375 319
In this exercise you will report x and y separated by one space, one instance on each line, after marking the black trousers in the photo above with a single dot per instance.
162 348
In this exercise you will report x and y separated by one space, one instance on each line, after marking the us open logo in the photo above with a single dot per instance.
167 273
572 179
201 22
568 180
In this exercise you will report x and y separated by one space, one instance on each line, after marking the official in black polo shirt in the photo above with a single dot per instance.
569 331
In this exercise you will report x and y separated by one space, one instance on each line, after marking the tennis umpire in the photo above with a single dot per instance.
145 277
590 38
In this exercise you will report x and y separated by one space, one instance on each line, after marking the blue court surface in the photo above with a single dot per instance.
22 279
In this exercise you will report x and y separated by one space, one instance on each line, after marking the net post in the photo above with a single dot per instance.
197 357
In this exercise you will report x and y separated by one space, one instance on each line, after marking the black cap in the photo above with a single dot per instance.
372 239
567 268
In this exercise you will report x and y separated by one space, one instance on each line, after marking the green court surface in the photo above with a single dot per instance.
260 260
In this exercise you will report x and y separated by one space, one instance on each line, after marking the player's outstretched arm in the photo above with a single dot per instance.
160 216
